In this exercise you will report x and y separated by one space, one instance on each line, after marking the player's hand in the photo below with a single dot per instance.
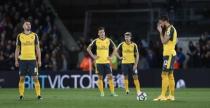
109 58
95 57
121 58
159 28
134 66
16 63
39 63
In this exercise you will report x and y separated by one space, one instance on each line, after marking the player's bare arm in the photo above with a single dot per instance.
116 52
38 51
137 58
90 51
17 52
114 49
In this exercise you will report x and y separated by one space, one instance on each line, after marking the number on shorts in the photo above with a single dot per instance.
165 62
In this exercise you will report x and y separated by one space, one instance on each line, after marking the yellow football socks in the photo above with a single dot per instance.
100 85
111 85
165 83
171 84
37 88
126 85
21 87
137 85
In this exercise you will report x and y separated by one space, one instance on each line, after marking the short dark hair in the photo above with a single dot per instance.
164 18
101 28
128 34
27 20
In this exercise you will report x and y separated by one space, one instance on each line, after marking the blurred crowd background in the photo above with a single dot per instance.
57 57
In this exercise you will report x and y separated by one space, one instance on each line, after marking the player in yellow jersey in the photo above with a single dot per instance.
169 40
102 59
129 55
27 49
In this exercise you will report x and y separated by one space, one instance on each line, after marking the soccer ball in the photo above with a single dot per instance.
142 96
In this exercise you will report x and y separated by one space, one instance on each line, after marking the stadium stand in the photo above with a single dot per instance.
186 18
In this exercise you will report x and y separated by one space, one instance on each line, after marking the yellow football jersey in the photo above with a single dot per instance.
169 47
27 44
128 52
102 49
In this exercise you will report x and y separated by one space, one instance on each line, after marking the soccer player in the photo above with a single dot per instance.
169 40
130 57
102 59
27 47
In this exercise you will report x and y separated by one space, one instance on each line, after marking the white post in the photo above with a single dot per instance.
90 73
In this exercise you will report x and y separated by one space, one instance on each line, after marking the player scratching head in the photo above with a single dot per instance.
27 26
128 36
101 33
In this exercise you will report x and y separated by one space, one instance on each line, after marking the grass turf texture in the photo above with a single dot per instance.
90 98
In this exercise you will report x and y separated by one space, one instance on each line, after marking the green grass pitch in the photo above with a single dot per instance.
89 98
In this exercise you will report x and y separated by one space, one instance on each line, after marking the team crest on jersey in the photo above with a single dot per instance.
32 37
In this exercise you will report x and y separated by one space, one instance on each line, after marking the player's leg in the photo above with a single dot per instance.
101 84
21 86
33 71
108 71
136 80
165 79
137 84
126 83
124 69
165 83
22 73
37 87
99 70
171 87
171 81
111 85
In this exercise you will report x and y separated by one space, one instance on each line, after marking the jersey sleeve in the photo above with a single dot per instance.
92 44
18 43
136 48
36 39
112 44
119 47
111 47
170 32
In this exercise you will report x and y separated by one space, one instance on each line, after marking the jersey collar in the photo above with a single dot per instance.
102 39
27 34
128 43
